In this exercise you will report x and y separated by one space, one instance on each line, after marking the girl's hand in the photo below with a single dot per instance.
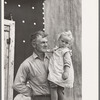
49 51
65 75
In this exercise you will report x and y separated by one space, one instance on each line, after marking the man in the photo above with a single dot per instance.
34 70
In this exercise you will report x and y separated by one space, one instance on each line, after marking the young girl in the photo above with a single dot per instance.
61 73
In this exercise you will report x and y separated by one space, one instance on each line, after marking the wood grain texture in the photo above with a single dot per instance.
64 15
9 48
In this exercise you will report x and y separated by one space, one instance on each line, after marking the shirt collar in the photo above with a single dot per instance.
36 56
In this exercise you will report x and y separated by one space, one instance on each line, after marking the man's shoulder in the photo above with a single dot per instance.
26 63
27 60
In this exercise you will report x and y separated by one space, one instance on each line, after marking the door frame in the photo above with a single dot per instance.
11 58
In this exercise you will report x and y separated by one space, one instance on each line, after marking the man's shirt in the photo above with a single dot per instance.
35 71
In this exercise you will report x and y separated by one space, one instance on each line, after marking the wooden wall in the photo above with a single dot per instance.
64 15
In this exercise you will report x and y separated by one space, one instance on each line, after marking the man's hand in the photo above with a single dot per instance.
21 97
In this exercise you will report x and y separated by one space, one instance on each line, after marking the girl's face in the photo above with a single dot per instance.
63 42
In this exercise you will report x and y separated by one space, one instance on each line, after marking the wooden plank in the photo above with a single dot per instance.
6 64
11 60
10 69
6 28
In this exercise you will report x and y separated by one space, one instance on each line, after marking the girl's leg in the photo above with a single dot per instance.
61 95
54 94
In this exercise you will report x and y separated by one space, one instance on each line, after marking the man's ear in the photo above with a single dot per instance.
34 44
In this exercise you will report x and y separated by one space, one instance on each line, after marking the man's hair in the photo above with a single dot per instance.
36 34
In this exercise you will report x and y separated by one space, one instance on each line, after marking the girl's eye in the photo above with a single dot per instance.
66 42
62 41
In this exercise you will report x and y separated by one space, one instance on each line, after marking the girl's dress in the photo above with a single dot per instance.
61 57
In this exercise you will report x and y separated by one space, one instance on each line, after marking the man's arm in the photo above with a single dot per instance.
20 80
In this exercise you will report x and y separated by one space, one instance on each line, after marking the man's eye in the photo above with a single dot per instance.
44 42
66 42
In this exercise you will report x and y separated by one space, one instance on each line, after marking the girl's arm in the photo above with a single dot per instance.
52 50
67 64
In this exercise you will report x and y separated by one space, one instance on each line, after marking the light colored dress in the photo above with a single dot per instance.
60 58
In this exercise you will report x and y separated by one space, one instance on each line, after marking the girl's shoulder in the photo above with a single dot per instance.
66 50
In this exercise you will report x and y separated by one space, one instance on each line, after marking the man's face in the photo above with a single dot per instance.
41 44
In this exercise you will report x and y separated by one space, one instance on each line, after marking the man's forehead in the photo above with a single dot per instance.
41 38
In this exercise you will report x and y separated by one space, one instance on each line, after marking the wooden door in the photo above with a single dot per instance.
9 44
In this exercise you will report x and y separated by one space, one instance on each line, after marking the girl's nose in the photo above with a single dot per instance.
63 43
46 44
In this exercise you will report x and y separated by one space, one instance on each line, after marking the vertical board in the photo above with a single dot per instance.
9 57
6 62
64 15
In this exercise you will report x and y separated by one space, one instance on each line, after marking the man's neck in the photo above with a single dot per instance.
40 54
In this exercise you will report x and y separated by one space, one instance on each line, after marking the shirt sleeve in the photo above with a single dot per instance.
20 80
67 59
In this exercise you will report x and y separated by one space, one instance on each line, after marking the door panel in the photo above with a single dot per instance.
9 46
6 60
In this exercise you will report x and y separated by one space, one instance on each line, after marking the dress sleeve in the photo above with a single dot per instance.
20 80
67 59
